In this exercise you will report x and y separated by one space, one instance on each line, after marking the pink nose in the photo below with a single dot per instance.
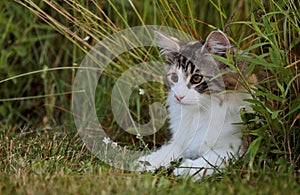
178 97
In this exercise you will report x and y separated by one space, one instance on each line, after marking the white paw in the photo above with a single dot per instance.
144 165
185 169
149 163
188 168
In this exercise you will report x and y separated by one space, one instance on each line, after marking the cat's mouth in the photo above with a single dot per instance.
196 103
193 104
186 101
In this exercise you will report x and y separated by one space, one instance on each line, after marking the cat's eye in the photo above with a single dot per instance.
196 79
174 77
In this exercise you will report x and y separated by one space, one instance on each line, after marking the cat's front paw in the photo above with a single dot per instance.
150 163
189 168
145 165
185 169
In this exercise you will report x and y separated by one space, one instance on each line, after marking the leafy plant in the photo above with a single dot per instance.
276 96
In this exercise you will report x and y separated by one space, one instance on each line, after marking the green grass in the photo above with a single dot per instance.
56 161
40 150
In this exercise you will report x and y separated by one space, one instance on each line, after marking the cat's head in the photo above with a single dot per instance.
191 69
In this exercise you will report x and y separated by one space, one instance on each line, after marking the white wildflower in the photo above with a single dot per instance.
114 145
141 91
106 140
86 38
139 136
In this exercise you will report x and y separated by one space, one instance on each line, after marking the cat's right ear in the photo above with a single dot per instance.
170 46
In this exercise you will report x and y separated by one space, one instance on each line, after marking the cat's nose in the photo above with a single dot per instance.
178 97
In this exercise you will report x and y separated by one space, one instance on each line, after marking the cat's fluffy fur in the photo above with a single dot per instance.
201 121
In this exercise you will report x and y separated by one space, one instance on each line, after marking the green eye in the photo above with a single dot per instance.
196 79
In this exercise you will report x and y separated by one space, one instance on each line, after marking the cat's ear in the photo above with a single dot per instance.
170 46
218 44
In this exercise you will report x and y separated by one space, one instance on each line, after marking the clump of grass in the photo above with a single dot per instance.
276 96
56 161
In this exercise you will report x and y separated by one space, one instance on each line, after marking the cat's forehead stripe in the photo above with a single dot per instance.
187 65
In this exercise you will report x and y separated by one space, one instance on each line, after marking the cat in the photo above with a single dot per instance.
203 117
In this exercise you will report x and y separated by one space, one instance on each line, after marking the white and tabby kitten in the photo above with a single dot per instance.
201 115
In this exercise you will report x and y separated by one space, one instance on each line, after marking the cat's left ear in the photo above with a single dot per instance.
170 45
218 44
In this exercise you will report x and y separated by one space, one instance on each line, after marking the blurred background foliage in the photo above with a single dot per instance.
28 44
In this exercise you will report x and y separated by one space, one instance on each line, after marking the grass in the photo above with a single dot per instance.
56 161
40 149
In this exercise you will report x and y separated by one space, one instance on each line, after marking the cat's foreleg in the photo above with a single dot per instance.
202 166
161 157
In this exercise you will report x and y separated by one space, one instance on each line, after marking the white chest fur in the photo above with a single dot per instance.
203 135
208 125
